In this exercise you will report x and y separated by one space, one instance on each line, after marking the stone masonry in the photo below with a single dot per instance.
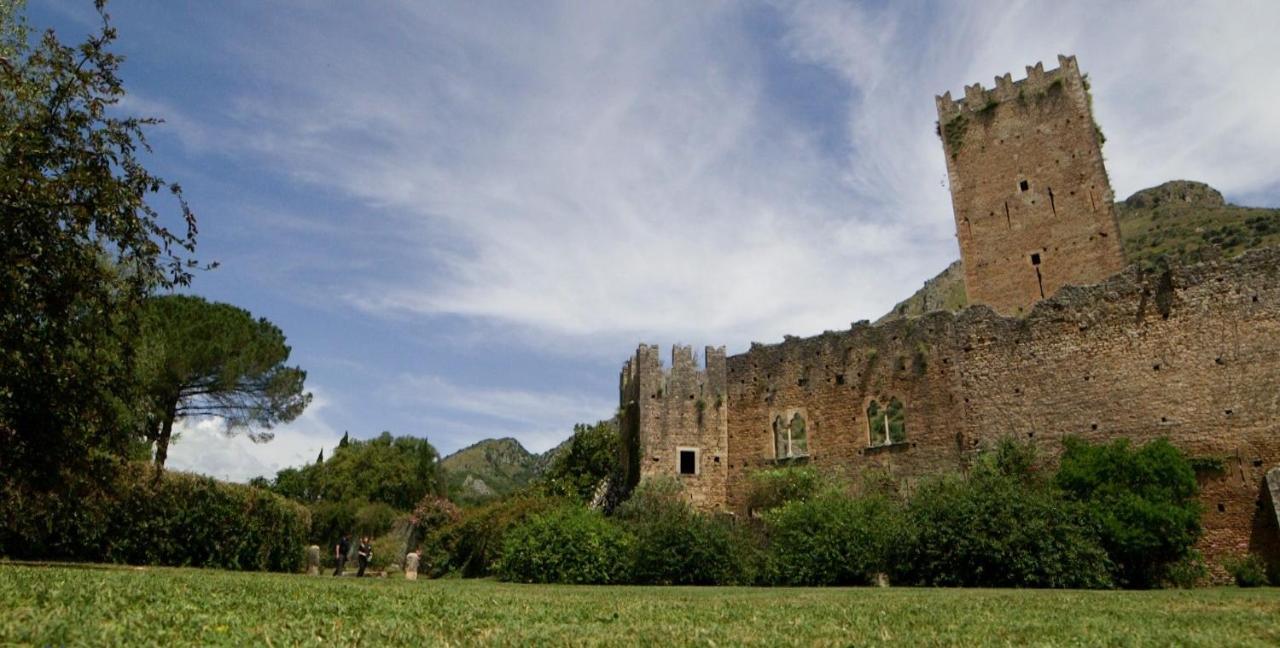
1191 354
1033 205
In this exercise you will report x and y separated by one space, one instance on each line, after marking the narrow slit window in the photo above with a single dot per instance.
1024 186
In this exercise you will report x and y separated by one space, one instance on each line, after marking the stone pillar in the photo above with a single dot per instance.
411 566
313 560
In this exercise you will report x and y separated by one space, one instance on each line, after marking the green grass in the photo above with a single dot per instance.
89 605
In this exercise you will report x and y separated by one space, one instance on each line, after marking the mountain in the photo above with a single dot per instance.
1181 220
493 468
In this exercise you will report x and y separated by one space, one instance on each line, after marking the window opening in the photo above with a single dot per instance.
886 425
790 436
688 462
1024 185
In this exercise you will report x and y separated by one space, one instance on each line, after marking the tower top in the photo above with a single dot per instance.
977 98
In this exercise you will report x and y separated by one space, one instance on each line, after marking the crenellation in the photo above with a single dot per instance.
1005 88
1060 339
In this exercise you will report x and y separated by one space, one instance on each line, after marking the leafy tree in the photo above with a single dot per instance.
81 247
1144 502
205 358
592 456
397 471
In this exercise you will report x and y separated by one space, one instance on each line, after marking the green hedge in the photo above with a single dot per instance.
676 545
472 544
993 530
180 519
832 540
569 544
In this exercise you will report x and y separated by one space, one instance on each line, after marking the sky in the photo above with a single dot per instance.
466 216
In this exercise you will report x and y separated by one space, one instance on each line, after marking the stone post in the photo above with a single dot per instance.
411 566
313 560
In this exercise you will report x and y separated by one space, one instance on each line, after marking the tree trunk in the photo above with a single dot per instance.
166 430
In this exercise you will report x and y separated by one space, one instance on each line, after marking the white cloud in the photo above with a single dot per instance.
202 447
618 170
614 170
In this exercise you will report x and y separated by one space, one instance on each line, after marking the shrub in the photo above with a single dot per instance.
374 519
180 519
472 545
185 519
676 545
831 539
1187 573
568 544
1248 571
388 549
1143 501
772 488
993 530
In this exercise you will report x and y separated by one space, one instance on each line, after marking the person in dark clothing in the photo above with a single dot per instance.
340 552
364 553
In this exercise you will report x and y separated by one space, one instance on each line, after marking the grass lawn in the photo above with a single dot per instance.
90 605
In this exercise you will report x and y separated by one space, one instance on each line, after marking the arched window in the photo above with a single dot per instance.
790 436
886 425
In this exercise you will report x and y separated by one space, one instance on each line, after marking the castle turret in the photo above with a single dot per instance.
674 422
1033 205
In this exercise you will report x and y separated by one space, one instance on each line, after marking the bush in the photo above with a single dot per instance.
180 519
1187 573
1248 571
569 544
994 530
472 545
772 488
676 545
388 550
1143 501
832 540
353 518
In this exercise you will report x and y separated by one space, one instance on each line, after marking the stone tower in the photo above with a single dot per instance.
674 423
1032 202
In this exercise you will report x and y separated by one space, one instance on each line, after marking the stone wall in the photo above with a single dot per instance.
1032 202
666 411
1192 355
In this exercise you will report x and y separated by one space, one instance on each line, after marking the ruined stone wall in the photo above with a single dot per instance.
667 411
1192 355
1032 202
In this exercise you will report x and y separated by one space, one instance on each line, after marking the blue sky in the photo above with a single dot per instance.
465 216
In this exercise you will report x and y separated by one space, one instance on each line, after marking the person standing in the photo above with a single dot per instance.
340 552
364 553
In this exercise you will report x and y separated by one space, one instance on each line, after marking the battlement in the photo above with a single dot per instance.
644 372
976 97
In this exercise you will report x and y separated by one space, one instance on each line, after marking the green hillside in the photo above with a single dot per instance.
492 468
1180 220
